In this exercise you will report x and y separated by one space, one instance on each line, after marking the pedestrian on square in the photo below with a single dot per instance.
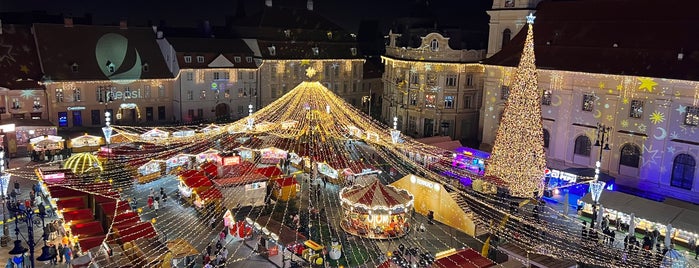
61 252
156 205
213 222
696 252
162 194
150 202
152 192
222 235
68 254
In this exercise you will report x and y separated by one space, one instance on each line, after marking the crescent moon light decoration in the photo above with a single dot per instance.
663 134
557 101
598 114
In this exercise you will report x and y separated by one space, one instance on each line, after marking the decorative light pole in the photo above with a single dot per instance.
596 186
395 133
251 120
4 183
26 214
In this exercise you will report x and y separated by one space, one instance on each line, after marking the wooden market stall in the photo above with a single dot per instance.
46 143
85 143
181 252
155 135
150 171
285 189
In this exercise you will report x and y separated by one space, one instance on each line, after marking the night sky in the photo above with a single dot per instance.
346 14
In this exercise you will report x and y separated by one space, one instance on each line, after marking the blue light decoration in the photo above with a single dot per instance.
470 159
62 119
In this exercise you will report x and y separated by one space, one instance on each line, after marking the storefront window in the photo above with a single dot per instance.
62 119
582 146
77 118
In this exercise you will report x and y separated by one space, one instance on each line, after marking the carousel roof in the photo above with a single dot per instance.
376 195
83 162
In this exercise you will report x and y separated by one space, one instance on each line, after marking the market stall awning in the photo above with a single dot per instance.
197 181
126 219
465 258
80 215
211 193
243 169
210 169
287 236
86 141
270 172
288 181
376 195
542 261
136 231
90 242
180 248
64 192
110 208
46 138
688 220
240 180
641 207
87 229
71 203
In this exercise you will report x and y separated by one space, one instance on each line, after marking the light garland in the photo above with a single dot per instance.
518 155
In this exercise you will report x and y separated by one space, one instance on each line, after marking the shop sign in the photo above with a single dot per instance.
76 108
564 176
424 183
130 94
231 160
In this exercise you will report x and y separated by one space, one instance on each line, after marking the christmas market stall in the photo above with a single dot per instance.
210 155
240 179
42 146
192 182
272 238
285 189
180 160
150 171
272 155
375 210
181 252
85 143
155 135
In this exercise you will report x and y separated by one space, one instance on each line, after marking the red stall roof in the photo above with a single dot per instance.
286 181
71 203
78 215
126 219
210 169
467 258
240 180
63 192
136 231
197 181
87 229
269 172
211 193
109 208
90 242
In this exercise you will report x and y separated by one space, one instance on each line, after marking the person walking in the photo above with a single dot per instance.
150 202
696 252
156 205
163 195
68 254
61 252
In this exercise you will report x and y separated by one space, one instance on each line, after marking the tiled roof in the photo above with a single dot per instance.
304 50
18 58
581 36
93 47
211 48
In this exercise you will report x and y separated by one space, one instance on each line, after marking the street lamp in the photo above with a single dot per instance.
596 186
4 183
27 214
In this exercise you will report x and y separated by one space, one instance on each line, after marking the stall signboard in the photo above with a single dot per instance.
564 176
155 134
85 141
210 128
272 155
231 160
54 176
179 160
425 183
327 170
209 155
245 153
289 124
183 133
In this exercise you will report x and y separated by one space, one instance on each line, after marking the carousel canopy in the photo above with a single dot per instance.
376 195
83 162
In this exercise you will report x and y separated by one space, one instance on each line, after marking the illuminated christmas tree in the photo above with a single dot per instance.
518 156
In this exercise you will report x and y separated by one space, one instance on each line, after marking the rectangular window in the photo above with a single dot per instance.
448 102
216 76
149 114
146 91
236 59
190 115
248 59
273 72
451 80
588 102
431 79
76 94
336 72
469 80
77 118
504 92
413 97
691 117
414 79
161 91
161 113
430 100
273 90
226 75
202 95
96 117
467 102
62 119
200 59
190 94
412 125
200 114
190 76
336 87
354 87
187 59
636 109
59 95
546 98
345 87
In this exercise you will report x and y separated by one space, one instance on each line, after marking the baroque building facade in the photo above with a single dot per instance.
432 90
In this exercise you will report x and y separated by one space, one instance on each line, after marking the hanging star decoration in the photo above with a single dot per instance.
23 68
530 18
601 85
305 62
647 84
27 94
649 155
619 87
335 65
657 117
310 72
610 117
428 67
625 101
681 109
674 135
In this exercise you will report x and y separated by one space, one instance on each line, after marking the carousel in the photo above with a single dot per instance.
376 211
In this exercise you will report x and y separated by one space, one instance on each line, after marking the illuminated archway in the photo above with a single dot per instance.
128 106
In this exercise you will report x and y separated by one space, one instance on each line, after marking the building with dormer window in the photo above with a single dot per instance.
432 89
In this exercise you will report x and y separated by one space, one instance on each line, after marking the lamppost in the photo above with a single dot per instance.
27 214
4 183
596 186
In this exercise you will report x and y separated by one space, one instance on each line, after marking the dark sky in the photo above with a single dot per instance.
346 13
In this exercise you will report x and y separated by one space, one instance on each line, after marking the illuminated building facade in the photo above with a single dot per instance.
646 90
119 69
216 79
432 89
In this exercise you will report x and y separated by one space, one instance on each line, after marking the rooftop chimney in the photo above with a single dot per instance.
122 24
309 5
268 3
68 22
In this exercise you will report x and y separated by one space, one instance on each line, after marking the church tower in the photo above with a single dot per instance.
506 20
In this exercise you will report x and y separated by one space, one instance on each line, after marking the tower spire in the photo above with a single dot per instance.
518 156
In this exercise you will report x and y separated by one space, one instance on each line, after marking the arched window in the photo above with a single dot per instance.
582 145
506 34
434 45
547 136
683 171
630 154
